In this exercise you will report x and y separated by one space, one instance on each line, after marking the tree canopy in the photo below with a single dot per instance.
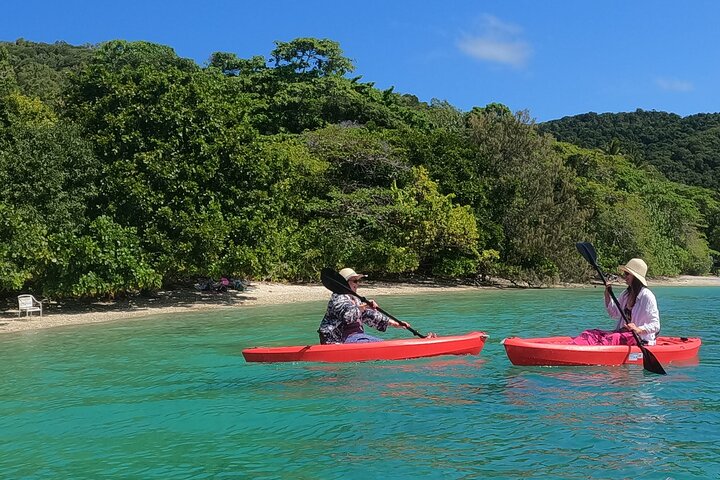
125 168
684 149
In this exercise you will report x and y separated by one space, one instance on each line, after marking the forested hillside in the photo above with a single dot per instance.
684 149
124 168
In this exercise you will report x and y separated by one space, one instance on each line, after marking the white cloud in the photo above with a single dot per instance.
674 85
497 42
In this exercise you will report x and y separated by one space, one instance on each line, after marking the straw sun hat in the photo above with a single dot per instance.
637 267
348 273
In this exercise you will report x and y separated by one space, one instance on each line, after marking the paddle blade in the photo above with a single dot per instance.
335 282
587 250
651 363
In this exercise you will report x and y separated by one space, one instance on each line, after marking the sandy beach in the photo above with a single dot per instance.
56 314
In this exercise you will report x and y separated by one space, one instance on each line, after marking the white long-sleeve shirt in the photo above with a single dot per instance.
645 314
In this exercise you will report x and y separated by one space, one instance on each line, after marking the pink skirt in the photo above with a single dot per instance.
602 337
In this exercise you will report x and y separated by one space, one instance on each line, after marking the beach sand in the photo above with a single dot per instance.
56 314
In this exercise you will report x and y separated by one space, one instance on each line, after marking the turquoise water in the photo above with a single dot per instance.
171 397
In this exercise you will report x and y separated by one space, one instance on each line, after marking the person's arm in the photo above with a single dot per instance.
610 306
613 310
375 319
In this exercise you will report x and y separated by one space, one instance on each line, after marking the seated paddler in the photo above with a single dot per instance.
347 315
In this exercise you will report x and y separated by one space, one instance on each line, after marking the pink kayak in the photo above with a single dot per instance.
469 344
560 351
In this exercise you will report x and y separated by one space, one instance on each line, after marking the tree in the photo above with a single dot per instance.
638 213
105 259
165 136
47 178
117 55
357 156
229 64
401 230
532 195
8 79
684 149
268 192
310 57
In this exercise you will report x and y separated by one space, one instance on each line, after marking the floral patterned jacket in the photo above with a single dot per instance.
344 317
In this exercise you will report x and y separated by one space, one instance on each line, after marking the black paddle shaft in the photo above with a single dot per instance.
336 283
650 362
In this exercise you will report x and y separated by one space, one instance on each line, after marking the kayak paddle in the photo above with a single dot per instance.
336 283
650 362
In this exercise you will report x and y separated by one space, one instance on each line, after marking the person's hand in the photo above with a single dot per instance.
373 304
398 324
631 326
608 288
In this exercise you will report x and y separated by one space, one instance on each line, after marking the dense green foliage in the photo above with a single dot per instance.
124 168
684 149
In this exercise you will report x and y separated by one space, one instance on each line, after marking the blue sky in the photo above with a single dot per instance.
553 57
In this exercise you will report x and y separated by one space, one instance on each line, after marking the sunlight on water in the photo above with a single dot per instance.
171 397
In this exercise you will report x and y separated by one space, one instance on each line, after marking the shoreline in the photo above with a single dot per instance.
79 312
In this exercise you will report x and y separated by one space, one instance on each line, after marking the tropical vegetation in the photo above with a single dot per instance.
125 168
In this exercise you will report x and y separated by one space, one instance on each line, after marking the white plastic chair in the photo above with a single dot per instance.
28 304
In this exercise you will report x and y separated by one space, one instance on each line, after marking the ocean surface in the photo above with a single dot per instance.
171 397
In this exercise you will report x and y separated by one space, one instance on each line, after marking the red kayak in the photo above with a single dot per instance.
470 344
560 351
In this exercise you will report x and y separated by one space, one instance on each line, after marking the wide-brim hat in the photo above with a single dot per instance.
637 267
349 273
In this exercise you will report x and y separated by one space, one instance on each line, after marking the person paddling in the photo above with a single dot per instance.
346 314
639 305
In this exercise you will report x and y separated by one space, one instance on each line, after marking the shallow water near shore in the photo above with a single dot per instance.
171 397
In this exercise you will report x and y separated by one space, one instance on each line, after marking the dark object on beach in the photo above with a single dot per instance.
223 285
